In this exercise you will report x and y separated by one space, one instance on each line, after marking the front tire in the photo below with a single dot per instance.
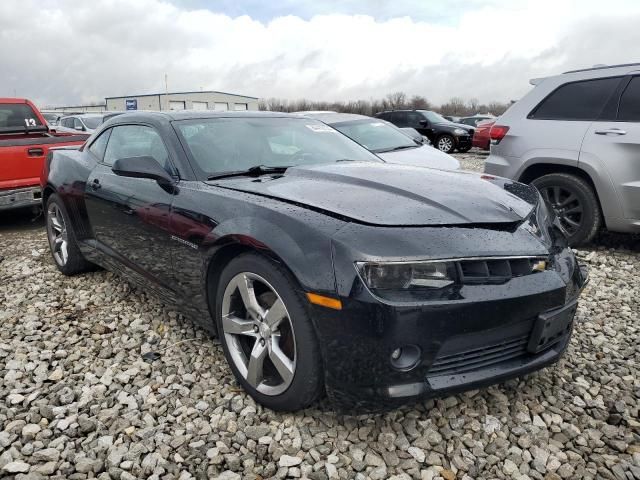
575 204
446 143
267 335
62 239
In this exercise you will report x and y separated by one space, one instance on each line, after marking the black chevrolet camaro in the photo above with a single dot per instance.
320 267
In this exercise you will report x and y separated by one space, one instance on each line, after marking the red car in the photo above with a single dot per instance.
25 140
481 138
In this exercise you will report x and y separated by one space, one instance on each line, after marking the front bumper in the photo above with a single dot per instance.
482 337
463 141
20 197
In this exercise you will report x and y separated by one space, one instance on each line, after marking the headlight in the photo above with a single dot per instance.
405 276
459 131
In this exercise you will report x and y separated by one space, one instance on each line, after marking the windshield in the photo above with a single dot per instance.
18 115
375 135
433 117
220 145
50 117
92 122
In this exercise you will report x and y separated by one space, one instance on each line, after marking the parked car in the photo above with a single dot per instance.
86 122
321 267
443 134
481 137
52 118
25 141
475 119
389 142
576 137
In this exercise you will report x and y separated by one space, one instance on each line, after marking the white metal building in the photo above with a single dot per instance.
92 108
202 100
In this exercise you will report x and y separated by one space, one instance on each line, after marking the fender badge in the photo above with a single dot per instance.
184 242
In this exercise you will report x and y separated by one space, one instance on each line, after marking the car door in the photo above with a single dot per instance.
555 129
613 147
78 125
421 124
130 216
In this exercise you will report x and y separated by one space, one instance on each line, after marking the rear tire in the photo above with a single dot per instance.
575 204
62 239
445 143
247 335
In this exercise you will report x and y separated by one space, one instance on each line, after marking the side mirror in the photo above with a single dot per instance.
142 167
424 123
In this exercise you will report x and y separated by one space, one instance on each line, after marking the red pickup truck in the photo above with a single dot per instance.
25 141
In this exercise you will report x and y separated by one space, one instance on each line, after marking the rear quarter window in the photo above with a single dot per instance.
629 110
583 100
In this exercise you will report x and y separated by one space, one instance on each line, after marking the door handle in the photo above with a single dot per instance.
35 152
610 131
96 184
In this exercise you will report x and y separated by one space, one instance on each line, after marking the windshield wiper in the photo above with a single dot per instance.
252 171
395 149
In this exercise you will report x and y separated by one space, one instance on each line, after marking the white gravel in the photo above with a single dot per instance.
78 401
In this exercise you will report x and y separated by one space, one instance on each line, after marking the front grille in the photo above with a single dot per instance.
478 358
497 270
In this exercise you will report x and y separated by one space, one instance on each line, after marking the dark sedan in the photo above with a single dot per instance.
320 267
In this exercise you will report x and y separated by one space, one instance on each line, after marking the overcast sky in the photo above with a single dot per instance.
60 52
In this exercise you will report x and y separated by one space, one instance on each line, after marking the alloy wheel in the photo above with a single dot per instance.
57 233
445 144
567 207
259 333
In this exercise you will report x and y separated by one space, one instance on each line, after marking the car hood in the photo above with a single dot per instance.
423 156
452 126
393 195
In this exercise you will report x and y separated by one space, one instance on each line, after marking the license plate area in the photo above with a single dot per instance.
550 327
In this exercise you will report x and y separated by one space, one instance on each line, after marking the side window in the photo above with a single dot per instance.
99 146
77 124
67 122
413 119
576 101
399 119
629 110
136 141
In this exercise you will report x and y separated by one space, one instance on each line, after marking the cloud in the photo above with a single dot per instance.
64 52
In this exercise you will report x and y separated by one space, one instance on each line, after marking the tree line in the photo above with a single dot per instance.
394 101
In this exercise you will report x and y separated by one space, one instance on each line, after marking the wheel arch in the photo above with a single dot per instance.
47 191
225 251
538 170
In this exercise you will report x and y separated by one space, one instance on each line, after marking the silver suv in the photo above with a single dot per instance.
576 137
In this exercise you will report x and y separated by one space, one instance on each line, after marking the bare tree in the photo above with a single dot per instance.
393 101
455 106
418 102
397 100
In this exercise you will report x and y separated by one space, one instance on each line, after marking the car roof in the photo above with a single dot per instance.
86 115
197 114
334 117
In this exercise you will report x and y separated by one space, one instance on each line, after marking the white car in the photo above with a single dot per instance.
86 122
389 142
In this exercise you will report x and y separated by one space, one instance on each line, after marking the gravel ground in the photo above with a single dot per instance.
78 401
